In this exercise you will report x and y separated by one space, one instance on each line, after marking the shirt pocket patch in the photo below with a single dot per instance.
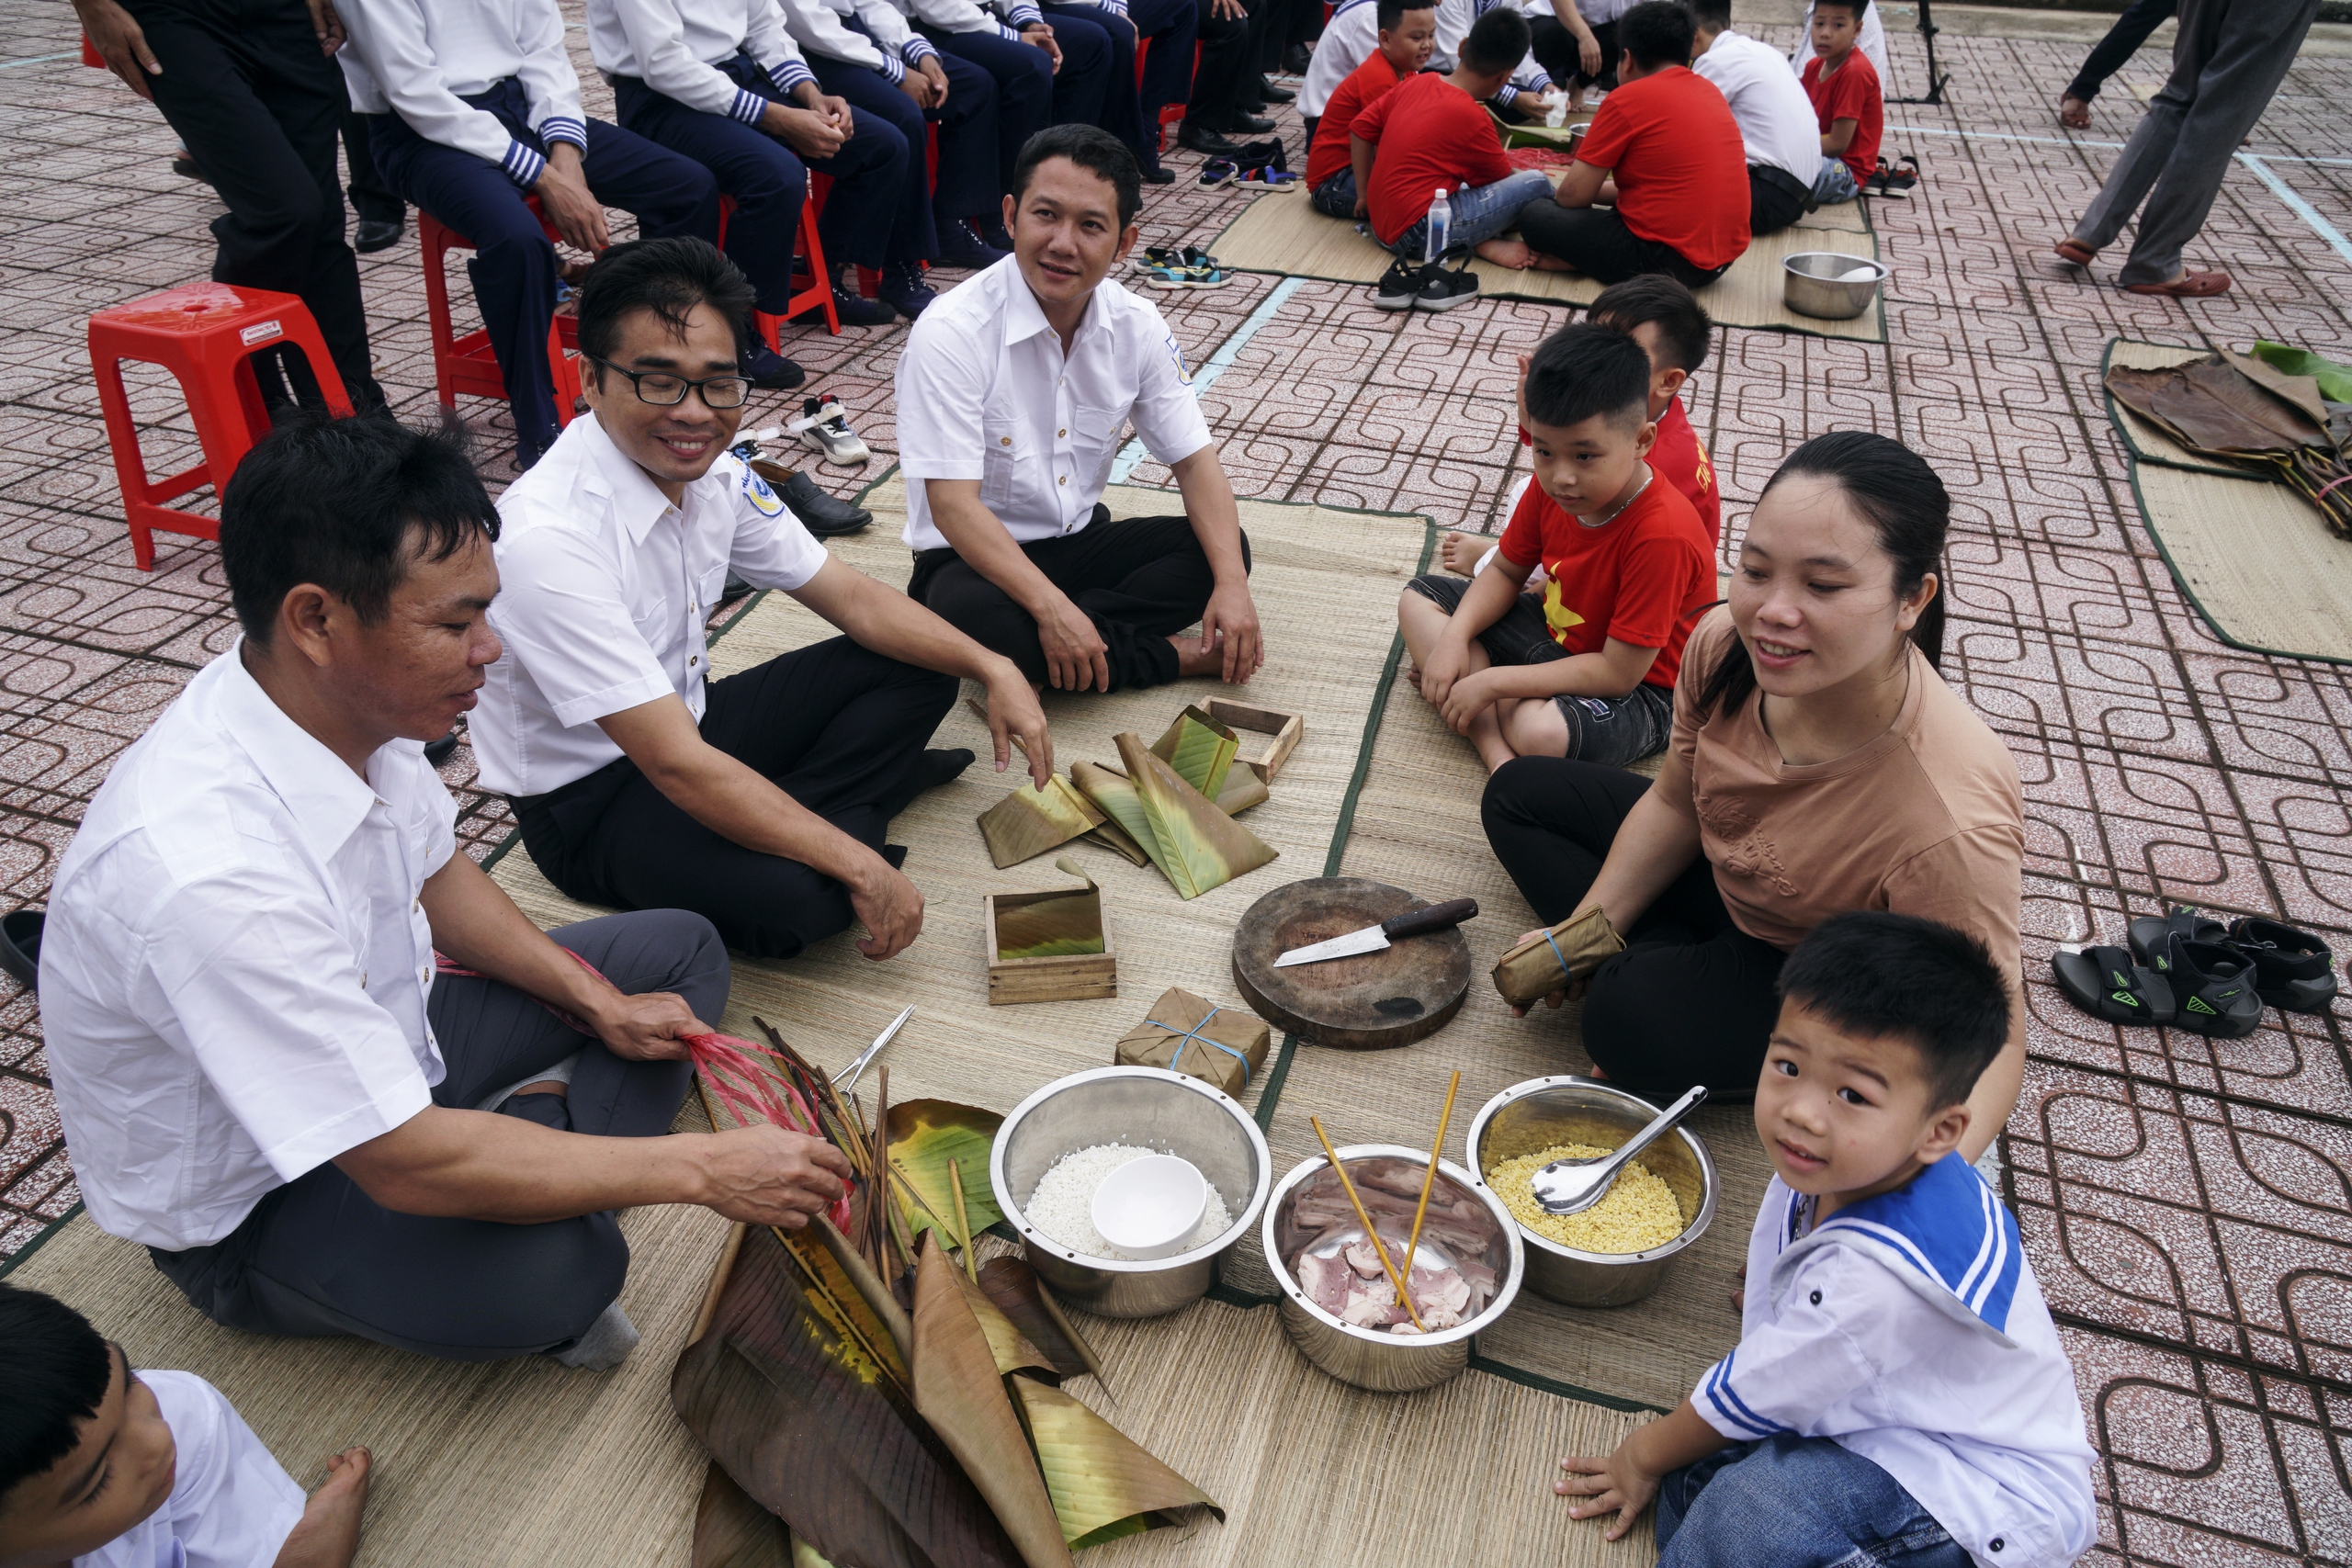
1094 443
999 459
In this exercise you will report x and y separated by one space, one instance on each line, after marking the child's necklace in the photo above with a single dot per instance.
1613 512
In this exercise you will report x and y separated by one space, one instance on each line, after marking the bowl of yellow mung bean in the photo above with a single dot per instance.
1618 1250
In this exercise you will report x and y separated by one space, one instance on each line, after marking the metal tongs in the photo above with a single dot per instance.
846 1080
1572 1186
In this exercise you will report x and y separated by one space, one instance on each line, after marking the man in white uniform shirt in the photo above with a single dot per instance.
1776 120
1014 392
265 1071
762 801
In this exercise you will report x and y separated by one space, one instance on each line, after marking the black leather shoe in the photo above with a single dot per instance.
1195 136
818 512
1294 60
20 946
1240 124
1156 176
771 371
376 234
439 752
1275 94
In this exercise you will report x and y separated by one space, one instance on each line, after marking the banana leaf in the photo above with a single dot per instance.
960 1391
1008 1347
2302 391
1051 926
1104 1483
1013 1286
733 1531
1196 846
1030 821
924 1135
1243 789
2211 406
797 1392
2333 377
1200 749
1111 836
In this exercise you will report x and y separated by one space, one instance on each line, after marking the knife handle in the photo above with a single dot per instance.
1436 918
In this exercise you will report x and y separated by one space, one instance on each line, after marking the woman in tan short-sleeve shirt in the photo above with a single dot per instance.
1819 764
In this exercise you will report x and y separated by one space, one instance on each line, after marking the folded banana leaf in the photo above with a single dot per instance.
1197 846
924 1135
1104 1483
2212 406
1030 821
1200 749
1022 1297
1055 927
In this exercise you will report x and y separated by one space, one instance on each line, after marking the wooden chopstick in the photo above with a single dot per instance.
1370 1234
1429 1178
963 1223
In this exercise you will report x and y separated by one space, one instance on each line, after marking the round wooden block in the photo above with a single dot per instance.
1406 992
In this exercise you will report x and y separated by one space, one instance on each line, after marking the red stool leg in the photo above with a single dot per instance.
122 439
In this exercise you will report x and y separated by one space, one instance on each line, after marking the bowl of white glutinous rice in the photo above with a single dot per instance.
1058 1144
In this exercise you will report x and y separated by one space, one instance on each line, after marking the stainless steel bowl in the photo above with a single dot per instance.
1543 1112
1374 1358
1146 1108
1830 285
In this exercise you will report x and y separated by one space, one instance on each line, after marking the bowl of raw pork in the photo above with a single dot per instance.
1060 1145
1543 1115
1337 1304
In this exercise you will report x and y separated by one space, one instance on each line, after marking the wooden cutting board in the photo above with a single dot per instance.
1406 992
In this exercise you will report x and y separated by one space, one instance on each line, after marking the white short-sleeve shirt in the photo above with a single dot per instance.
986 393
235 967
605 590
231 1506
1776 120
1909 1329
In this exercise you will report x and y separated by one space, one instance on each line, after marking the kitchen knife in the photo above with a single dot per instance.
1371 938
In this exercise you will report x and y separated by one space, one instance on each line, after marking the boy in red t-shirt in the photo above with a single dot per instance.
1587 670
1408 39
1846 99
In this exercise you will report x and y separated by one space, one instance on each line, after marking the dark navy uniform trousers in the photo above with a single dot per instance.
866 218
967 183
1174 26
1024 85
514 267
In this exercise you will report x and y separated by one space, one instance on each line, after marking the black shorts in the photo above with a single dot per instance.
1614 731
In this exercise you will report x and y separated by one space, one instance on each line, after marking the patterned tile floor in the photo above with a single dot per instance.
2188 1203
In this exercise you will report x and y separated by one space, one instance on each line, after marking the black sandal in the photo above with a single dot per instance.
2214 988
2151 935
20 946
2292 969
2105 983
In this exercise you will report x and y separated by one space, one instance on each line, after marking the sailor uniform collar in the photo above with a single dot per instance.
1943 1234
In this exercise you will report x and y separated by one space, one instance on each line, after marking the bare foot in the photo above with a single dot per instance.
2073 113
1549 264
328 1533
1460 553
1515 254
1739 1300
1191 661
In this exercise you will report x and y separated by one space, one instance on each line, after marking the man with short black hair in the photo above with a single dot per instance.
1013 394
304 1049
762 801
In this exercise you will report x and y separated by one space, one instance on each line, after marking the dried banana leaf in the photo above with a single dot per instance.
2211 406
1053 927
1122 807
799 1392
733 1531
1011 1349
1104 1483
1200 749
1014 1287
1243 789
960 1391
1196 846
1030 821
2333 378
2302 392
1111 836
924 1135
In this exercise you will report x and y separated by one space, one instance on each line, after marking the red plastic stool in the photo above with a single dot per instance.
819 291
206 334
469 363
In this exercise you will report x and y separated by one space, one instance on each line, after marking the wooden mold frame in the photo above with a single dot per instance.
1283 729
1074 977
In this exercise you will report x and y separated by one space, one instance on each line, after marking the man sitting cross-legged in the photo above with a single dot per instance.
1014 393
761 801
266 1075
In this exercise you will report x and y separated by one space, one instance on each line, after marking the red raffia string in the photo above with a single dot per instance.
748 1079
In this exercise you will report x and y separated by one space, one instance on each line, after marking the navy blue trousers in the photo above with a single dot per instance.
1174 26
513 265
769 181
967 183
1083 84
1025 87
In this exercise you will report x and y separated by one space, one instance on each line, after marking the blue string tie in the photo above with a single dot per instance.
1559 955
1194 1033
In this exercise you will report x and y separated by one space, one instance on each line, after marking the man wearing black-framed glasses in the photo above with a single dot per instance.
762 801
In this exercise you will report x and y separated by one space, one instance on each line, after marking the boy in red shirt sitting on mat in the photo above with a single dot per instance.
1408 39
1587 670
1846 99
1665 149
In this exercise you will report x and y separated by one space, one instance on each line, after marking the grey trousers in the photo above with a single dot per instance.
2228 59
318 1257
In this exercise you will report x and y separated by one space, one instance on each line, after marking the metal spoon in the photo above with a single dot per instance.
846 1078
1572 1186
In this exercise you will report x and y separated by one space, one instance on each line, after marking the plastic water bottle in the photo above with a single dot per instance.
1440 221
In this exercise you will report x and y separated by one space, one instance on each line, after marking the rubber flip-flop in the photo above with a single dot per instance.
2151 935
2105 983
2213 990
20 946
2292 969
2187 286
2076 253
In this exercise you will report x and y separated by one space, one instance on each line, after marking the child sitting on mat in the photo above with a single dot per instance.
106 1468
1847 100
1898 1393
1586 669
1408 38
1668 323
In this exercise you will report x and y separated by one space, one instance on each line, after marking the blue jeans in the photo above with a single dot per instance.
1792 1502
1336 197
1480 212
1835 184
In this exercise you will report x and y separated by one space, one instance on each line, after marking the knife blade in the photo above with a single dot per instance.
1371 938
